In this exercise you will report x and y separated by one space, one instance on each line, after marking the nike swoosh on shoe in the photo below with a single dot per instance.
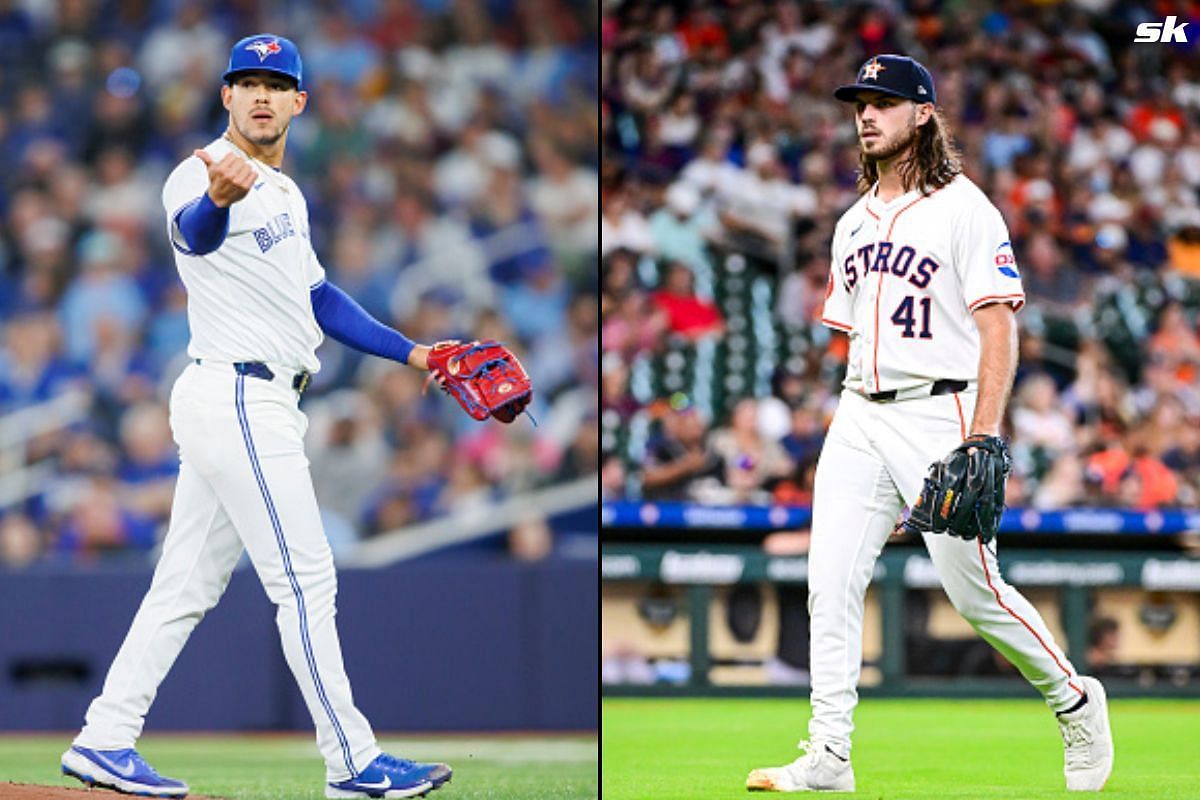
125 770
386 783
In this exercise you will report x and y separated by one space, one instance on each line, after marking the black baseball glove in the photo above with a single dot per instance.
964 492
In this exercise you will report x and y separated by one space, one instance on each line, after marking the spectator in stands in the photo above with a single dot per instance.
1104 643
149 461
20 541
1175 343
759 208
191 31
349 456
99 523
752 462
1183 458
563 195
535 305
1039 422
436 254
803 441
681 228
612 477
32 367
617 403
679 126
582 455
1053 285
530 540
557 363
789 391
104 290
711 169
622 226
686 314
680 464
1129 477
1183 250
1062 486
119 374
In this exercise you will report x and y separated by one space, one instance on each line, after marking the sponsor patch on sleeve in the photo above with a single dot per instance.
1006 262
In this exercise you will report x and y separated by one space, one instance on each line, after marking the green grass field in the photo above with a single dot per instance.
289 768
903 749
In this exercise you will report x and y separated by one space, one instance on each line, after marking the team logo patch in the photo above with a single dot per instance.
1006 262
504 388
264 48
872 69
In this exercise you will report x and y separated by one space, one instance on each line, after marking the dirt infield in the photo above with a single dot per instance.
31 791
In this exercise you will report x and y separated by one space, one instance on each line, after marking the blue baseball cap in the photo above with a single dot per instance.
268 53
900 76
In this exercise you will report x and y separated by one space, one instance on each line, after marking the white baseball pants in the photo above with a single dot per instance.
243 483
873 463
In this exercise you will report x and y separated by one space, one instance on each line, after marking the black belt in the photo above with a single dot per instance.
939 387
257 369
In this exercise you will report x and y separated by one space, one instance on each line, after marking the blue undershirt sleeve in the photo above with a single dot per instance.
202 224
341 318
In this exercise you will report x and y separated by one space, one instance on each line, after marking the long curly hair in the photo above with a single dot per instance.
934 160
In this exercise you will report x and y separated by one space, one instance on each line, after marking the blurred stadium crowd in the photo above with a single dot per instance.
726 162
448 157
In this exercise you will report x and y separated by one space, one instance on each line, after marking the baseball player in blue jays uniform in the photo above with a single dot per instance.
258 306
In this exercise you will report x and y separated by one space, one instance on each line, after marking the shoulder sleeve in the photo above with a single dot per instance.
984 260
185 183
183 188
836 312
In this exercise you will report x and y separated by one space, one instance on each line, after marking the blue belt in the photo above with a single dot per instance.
257 369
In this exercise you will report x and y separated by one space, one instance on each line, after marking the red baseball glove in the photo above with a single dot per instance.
484 377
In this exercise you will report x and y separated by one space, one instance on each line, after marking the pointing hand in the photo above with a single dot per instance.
229 179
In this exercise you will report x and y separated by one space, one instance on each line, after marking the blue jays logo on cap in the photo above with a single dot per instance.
264 48
265 52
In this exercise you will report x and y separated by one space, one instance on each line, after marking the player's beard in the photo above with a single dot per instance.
264 139
894 146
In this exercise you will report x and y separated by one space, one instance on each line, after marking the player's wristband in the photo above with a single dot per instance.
347 322
202 224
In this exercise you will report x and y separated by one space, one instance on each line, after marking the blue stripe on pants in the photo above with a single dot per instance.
287 567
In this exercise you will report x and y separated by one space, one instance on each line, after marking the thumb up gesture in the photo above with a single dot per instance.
229 179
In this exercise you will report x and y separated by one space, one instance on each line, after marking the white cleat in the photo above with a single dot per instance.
818 770
1087 741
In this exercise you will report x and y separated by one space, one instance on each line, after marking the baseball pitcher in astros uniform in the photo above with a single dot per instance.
924 281
258 304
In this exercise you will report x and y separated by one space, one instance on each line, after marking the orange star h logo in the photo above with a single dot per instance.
871 71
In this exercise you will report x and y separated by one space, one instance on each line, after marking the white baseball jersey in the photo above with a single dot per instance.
249 299
244 482
906 276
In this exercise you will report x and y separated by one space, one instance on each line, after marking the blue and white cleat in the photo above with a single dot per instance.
120 770
388 777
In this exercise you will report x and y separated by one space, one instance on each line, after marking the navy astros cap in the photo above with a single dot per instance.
266 52
895 75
